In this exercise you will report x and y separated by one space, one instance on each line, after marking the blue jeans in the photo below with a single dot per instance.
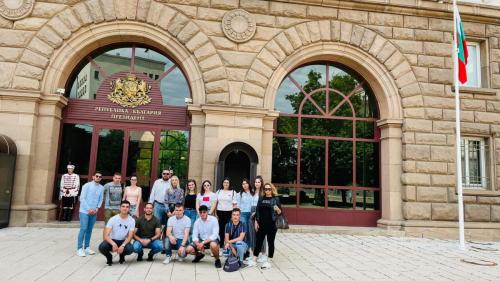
241 248
245 217
192 215
86 226
155 246
159 213
169 247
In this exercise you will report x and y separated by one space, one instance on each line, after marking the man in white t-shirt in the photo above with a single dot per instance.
205 236
177 234
118 235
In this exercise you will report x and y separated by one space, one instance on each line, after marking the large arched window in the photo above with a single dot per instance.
126 113
326 142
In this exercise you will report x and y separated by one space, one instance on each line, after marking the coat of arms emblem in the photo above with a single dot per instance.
129 91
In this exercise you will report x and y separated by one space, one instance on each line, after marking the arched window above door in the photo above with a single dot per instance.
157 68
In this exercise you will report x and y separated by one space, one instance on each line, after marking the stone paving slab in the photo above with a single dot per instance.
49 254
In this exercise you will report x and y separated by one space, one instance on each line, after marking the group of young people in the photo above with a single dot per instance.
181 219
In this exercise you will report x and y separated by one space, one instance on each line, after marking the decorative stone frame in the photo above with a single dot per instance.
385 90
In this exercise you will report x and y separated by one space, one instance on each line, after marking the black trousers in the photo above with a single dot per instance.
268 230
67 208
105 248
224 217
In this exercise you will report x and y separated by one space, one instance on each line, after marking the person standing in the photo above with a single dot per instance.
258 184
147 234
173 196
190 203
90 201
226 202
268 208
206 197
133 194
234 235
118 235
112 197
245 201
157 195
177 234
69 187
205 236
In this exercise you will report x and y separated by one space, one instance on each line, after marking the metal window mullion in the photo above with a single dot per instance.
466 160
482 163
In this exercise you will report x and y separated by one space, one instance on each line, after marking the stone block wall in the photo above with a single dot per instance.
412 42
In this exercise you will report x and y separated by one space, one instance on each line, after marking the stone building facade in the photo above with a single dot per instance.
401 48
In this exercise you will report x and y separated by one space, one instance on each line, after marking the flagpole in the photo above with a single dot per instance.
461 226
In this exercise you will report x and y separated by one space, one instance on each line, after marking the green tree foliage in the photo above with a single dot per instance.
340 151
174 153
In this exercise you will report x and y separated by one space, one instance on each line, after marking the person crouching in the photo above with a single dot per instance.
118 235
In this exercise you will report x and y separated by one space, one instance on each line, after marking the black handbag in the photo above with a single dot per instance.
281 221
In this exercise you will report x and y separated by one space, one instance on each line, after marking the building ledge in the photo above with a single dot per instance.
476 91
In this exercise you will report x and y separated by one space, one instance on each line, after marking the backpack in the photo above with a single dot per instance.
231 264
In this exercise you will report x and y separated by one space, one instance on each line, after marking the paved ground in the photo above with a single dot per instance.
49 254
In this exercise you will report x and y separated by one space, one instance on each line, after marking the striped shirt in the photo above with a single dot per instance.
233 230
70 185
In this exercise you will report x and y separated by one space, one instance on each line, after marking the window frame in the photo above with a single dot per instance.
479 67
482 164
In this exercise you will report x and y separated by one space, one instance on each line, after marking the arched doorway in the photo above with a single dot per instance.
237 161
126 113
326 147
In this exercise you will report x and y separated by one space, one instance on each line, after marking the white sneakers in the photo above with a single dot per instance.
84 252
88 251
262 259
265 265
249 262
167 260
80 252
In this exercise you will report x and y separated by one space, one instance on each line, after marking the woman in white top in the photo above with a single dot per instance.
226 202
133 194
206 198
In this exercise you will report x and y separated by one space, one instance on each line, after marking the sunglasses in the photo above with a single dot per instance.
166 174
267 189
98 176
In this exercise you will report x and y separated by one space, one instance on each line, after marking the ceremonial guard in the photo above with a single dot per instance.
70 185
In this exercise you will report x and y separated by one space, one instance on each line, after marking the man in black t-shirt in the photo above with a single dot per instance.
147 234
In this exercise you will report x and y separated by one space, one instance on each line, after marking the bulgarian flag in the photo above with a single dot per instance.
462 53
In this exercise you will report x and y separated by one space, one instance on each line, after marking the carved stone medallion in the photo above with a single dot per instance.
238 25
129 92
16 9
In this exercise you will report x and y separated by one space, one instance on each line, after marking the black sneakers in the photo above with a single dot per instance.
150 257
109 261
198 257
217 263
122 259
139 257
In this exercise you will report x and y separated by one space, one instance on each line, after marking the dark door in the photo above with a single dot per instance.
237 161
8 153
237 168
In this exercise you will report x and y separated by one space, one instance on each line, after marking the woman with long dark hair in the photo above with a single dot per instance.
226 202
206 198
245 201
190 202
268 208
